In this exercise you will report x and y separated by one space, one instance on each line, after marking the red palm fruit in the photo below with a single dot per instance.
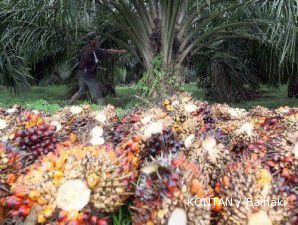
13 202
24 210
34 138
93 220
217 188
171 185
18 134
2 201
102 222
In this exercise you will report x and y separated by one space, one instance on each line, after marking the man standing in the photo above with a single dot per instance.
91 54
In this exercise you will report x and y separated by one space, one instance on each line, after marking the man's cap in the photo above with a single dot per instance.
91 35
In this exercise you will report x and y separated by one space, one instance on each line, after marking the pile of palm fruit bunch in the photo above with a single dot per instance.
179 162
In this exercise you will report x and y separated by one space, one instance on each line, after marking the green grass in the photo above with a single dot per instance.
53 98
272 98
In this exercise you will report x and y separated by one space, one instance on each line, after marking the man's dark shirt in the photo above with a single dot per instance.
87 58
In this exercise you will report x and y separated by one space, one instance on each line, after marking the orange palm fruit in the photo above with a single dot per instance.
73 138
81 218
41 201
112 155
216 205
226 181
137 138
195 186
20 192
217 188
135 146
11 178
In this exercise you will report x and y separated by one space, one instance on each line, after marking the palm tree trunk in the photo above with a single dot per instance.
293 87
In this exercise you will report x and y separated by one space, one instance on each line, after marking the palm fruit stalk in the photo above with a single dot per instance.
163 190
251 189
77 185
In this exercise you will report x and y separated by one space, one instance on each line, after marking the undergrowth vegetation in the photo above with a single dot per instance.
53 98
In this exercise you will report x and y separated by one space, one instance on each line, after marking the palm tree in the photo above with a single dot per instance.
174 31
284 37
34 31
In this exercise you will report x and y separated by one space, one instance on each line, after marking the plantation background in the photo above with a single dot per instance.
223 51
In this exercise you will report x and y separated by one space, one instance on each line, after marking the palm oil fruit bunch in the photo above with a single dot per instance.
166 192
10 167
78 184
35 137
208 152
248 195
